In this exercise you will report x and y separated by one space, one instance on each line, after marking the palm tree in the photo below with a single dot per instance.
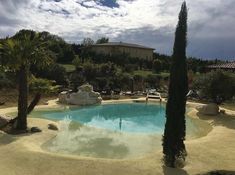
17 54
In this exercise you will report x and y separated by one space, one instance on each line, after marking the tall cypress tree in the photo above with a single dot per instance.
174 133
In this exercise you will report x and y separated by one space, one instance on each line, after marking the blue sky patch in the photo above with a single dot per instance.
109 3
105 3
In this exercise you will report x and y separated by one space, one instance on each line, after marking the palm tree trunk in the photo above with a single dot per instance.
22 99
34 103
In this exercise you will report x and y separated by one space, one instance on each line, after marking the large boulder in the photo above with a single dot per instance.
84 96
208 109
63 97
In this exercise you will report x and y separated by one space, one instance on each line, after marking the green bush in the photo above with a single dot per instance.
153 80
52 72
157 66
42 85
77 61
76 79
130 68
216 84
89 70
7 79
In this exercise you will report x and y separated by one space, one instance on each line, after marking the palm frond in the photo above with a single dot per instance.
25 48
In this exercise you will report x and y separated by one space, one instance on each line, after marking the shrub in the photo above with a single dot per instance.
130 68
153 80
89 70
52 72
107 69
157 66
138 82
216 85
42 85
76 79
77 61
102 83
5 80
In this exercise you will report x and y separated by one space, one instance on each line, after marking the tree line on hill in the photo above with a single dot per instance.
121 72
65 53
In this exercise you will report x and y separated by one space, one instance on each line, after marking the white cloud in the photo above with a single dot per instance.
132 20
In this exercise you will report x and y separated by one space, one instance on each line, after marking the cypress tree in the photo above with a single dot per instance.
174 133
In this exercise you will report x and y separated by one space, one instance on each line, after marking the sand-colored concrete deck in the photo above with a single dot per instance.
23 155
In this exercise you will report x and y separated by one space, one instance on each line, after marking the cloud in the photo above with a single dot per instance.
161 39
151 23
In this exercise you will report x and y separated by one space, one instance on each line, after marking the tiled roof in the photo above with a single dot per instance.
230 65
124 44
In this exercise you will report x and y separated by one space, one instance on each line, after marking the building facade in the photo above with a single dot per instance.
118 48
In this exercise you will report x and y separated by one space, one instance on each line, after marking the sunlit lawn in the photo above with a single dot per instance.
145 73
68 67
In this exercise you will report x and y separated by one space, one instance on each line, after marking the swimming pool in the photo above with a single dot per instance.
128 117
122 130
124 117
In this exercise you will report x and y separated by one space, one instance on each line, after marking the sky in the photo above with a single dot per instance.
211 23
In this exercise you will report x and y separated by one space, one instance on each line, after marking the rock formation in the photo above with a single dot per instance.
84 96
208 109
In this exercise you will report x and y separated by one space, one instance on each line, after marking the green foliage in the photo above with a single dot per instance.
123 80
53 71
194 64
87 42
107 69
102 83
67 54
143 73
63 51
76 79
130 68
41 85
157 65
68 67
216 84
24 48
19 53
199 65
120 59
77 61
5 80
89 70
148 74
102 40
153 80
174 133
164 60
138 82
101 76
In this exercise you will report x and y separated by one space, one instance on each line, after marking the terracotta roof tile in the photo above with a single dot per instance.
230 65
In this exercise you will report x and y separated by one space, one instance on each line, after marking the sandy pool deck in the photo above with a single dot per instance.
23 155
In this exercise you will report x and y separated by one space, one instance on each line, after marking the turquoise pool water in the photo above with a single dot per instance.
125 117
114 131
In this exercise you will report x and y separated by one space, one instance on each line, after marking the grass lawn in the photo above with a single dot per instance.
145 73
68 67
